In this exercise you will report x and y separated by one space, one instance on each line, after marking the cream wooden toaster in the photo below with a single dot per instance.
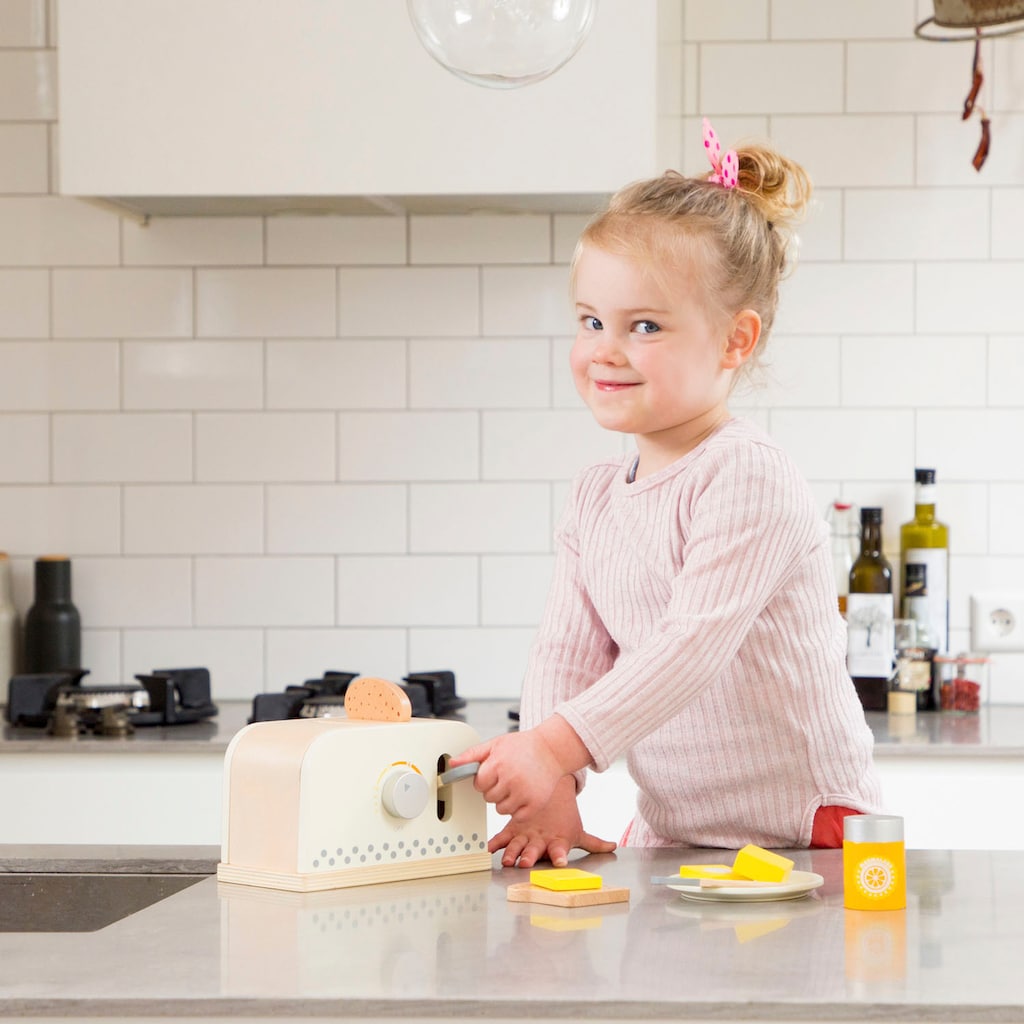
325 803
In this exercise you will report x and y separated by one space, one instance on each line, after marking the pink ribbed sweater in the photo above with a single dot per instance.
692 626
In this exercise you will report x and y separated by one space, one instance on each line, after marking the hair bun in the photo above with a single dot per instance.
777 186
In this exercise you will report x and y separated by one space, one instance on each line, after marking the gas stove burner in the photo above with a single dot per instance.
322 707
431 694
114 722
97 698
59 703
440 687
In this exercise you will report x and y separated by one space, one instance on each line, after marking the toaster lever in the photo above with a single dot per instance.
464 771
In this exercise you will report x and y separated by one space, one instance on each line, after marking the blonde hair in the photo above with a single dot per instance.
736 241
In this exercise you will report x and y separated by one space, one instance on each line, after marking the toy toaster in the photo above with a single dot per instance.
326 803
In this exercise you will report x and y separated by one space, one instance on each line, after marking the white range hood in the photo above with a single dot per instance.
239 106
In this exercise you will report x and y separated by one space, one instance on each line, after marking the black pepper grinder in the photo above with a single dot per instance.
53 630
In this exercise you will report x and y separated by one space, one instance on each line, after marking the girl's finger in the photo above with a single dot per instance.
513 851
477 753
558 853
531 854
592 844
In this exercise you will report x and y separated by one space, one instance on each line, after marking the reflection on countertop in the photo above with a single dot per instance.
997 731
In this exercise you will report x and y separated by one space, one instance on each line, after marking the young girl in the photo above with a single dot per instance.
692 624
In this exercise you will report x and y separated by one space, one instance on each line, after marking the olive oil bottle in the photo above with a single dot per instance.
924 541
869 616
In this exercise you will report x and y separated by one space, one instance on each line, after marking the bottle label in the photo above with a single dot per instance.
931 608
870 635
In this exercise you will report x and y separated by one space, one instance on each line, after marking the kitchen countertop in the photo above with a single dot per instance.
488 717
454 947
996 731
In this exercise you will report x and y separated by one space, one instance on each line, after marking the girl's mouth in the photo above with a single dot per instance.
613 385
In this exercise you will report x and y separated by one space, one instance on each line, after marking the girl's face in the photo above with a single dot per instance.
648 360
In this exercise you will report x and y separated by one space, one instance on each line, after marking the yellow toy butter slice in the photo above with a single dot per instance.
565 879
760 865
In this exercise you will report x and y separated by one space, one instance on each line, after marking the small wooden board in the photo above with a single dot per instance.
525 892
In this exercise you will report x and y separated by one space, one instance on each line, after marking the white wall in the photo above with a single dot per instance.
280 445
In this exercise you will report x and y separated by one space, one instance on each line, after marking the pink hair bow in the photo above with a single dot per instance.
726 169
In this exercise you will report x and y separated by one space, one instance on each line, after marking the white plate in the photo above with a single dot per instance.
800 884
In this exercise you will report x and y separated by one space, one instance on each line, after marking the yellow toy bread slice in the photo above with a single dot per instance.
565 879
377 700
761 865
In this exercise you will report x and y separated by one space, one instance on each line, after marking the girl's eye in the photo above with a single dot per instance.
646 327
591 323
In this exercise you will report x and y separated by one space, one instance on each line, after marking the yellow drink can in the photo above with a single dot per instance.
874 862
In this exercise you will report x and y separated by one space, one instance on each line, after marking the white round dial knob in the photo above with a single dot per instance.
404 793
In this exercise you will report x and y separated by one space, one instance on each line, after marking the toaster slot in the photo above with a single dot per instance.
444 793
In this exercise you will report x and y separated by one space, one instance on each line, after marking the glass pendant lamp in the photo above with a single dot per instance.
502 44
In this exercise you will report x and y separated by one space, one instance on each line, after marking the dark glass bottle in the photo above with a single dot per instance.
869 616
53 629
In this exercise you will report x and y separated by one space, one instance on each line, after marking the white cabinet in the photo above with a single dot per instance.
206 105
956 803
118 798
948 802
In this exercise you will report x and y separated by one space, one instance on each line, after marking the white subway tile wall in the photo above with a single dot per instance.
286 444
337 519
24 160
192 241
135 302
191 374
336 241
23 23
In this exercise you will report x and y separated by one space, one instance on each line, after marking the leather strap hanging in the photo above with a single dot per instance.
977 79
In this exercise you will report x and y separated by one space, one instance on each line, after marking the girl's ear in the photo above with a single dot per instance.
743 338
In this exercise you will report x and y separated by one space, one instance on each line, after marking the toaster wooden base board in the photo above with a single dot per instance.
353 876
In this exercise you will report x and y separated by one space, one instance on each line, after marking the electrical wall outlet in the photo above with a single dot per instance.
997 622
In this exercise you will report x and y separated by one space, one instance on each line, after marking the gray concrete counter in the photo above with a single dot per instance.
996 731
455 947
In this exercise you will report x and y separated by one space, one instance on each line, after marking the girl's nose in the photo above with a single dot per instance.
607 349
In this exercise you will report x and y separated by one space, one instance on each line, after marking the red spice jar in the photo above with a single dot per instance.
962 680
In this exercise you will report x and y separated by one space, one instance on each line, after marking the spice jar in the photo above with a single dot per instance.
915 681
962 677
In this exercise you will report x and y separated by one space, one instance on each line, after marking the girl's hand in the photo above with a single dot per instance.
519 771
552 833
